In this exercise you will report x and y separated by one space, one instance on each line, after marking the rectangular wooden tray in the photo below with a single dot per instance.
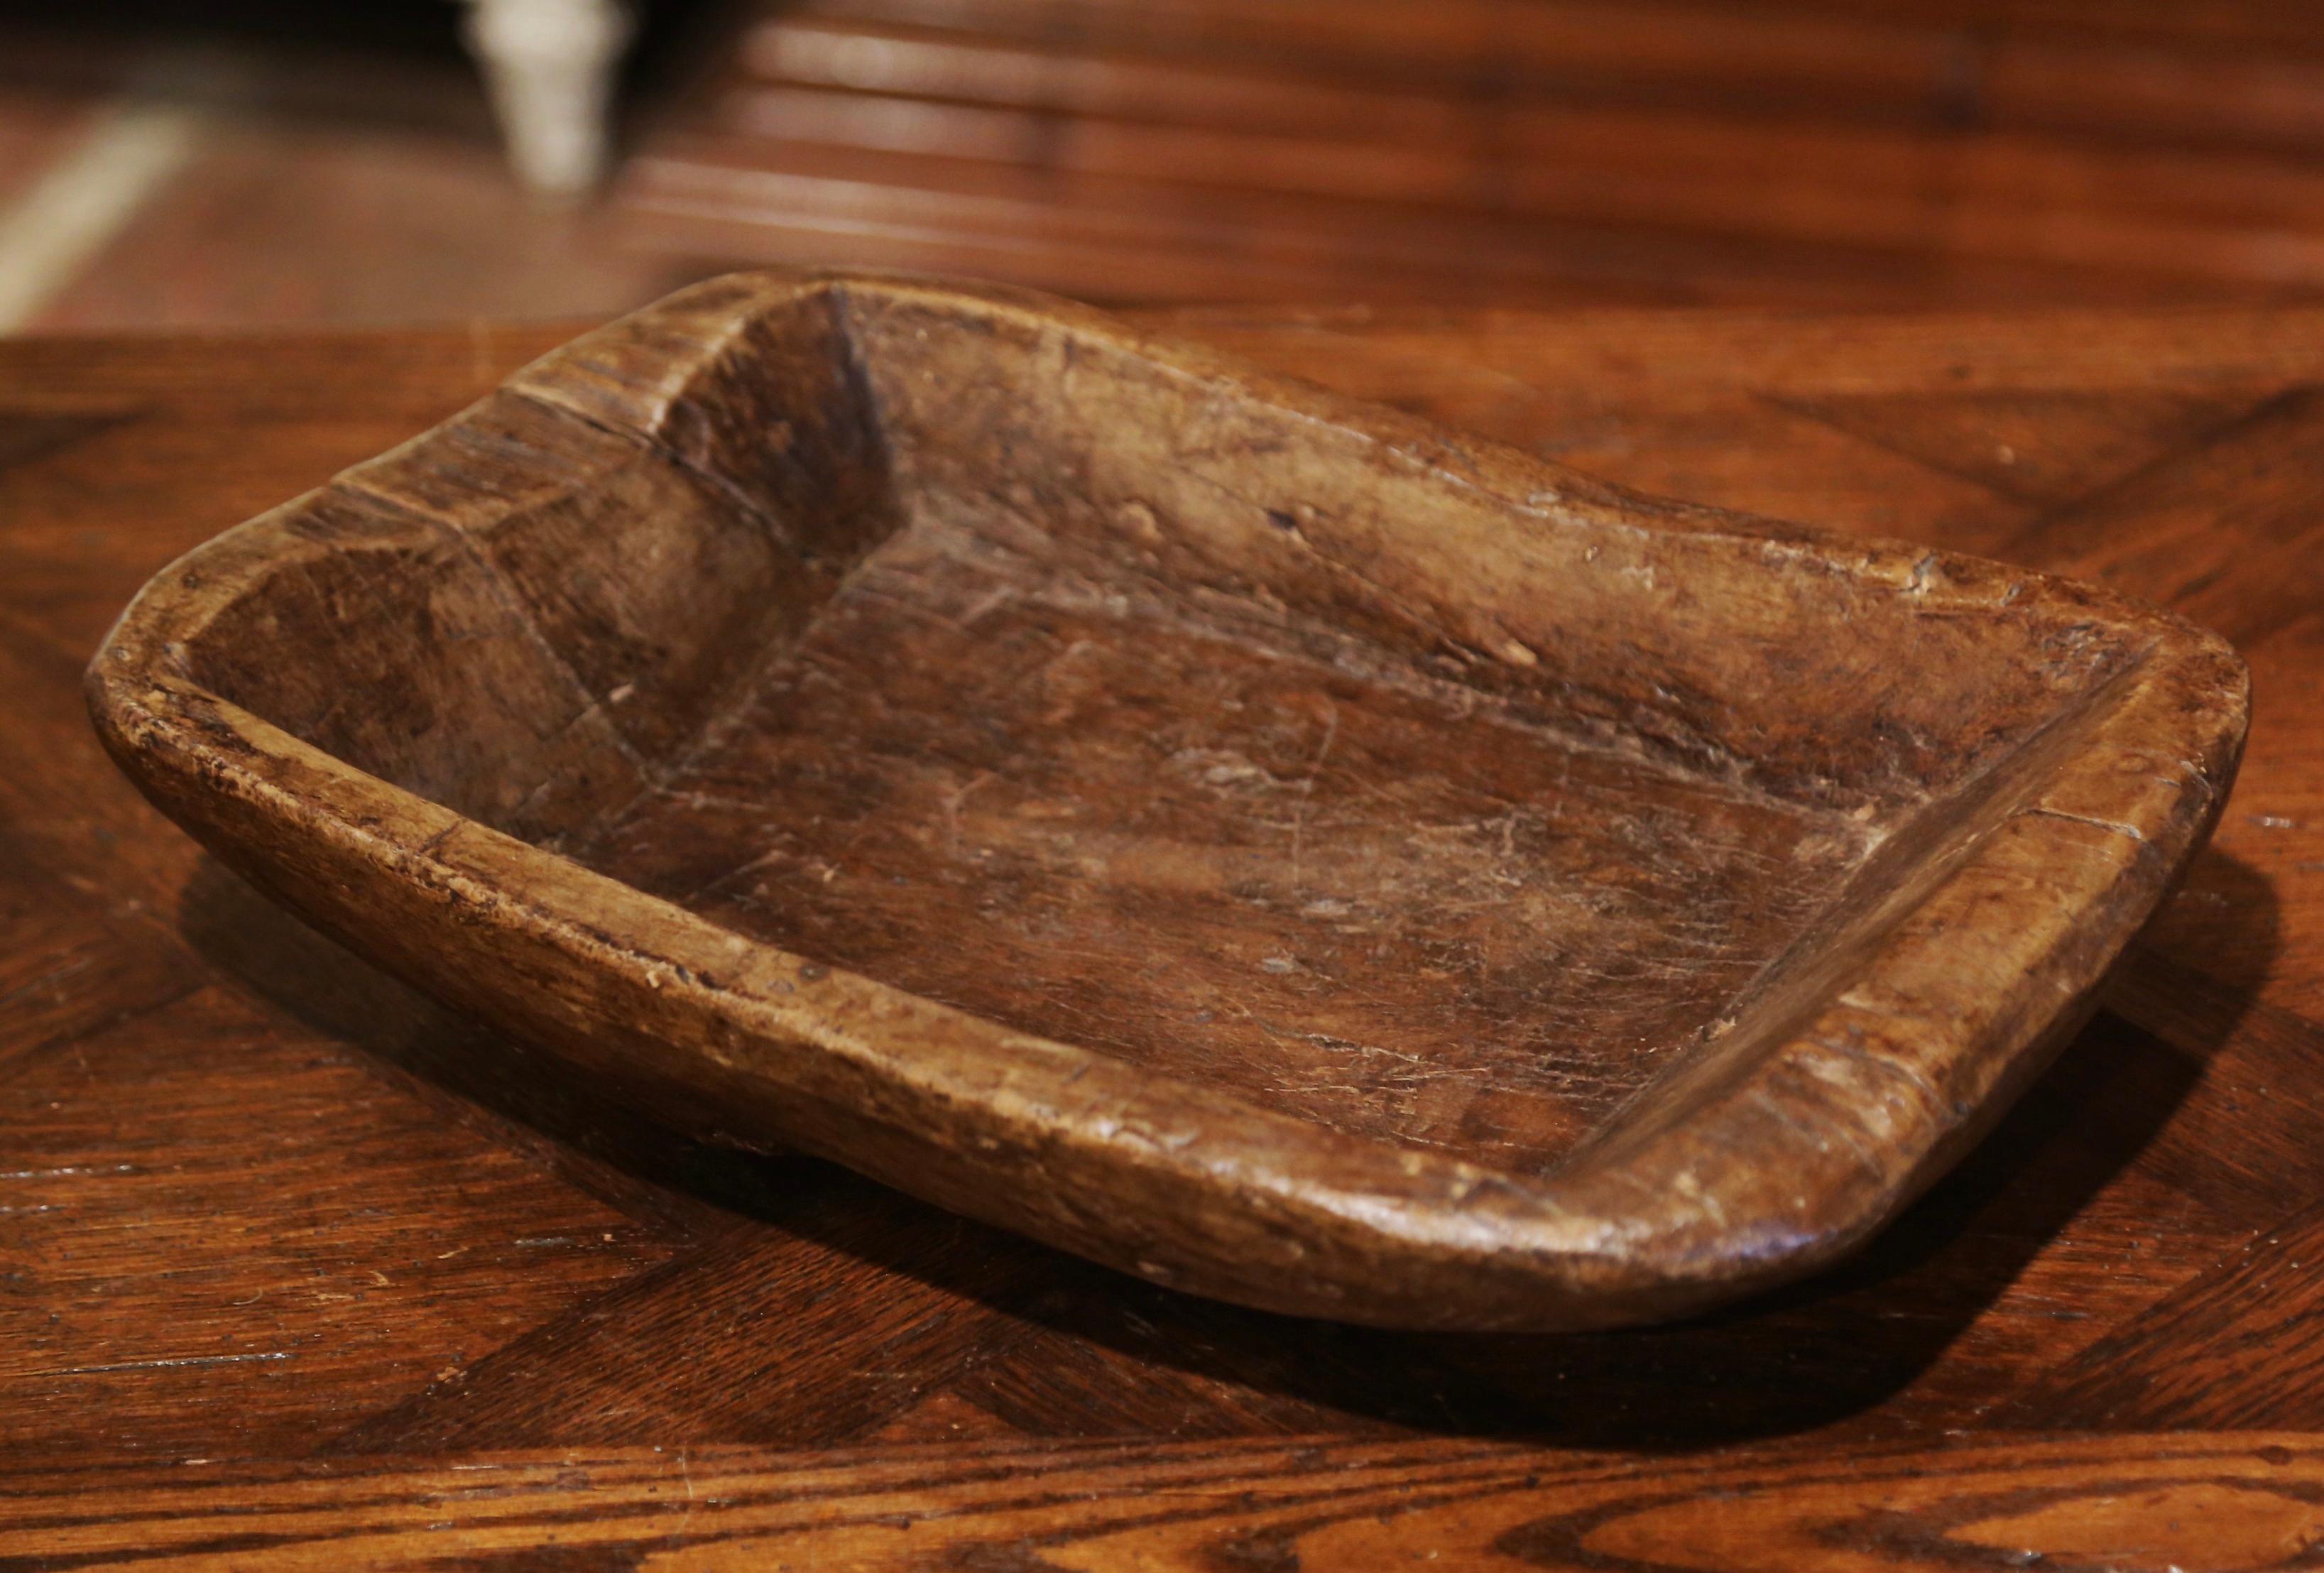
1245 837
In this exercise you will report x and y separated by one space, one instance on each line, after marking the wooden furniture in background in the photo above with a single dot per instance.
282 1240
1820 150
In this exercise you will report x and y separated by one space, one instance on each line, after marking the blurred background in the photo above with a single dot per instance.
266 162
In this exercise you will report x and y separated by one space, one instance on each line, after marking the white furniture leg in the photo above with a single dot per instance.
549 65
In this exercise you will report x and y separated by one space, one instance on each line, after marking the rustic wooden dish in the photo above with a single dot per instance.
1248 838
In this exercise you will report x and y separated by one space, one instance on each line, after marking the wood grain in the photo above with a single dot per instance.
2169 1141
2232 1500
298 1281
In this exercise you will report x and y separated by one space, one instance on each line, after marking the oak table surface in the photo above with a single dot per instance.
297 1270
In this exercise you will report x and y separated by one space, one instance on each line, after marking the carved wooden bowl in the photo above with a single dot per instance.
1248 838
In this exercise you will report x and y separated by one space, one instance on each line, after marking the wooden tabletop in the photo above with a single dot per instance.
297 1270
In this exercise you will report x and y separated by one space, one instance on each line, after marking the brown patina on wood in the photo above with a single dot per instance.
1252 839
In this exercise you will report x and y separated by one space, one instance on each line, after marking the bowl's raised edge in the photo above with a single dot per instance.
1810 1147
596 378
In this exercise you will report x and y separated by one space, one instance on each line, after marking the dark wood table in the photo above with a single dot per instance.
296 1270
